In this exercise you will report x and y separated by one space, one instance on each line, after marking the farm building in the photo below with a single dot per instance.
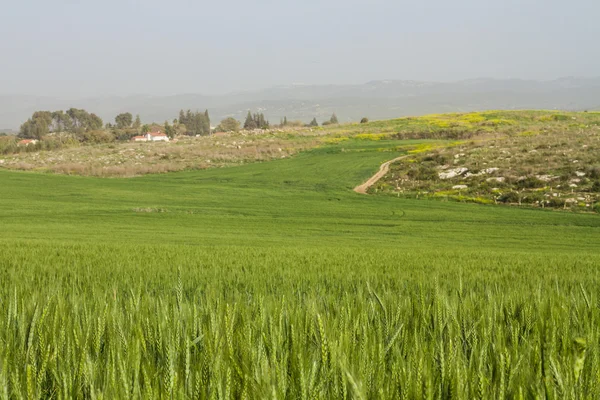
154 136
27 142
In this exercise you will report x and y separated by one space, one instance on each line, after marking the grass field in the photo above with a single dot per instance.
275 280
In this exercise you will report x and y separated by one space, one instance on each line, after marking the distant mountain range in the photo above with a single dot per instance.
375 100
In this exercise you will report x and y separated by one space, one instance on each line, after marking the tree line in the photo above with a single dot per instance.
74 121
196 123
87 126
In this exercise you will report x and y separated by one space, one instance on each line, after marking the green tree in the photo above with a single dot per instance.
169 130
364 120
250 123
229 125
145 129
37 126
334 119
285 121
138 122
314 122
124 120
95 122
206 123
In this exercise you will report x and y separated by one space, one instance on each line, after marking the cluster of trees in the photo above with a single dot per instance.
196 123
73 120
125 121
229 124
256 121
332 121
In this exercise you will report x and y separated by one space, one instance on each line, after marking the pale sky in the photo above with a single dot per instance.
122 47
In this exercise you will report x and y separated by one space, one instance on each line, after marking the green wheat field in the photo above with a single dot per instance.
275 280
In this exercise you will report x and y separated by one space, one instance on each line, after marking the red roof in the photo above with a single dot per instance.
157 134
26 141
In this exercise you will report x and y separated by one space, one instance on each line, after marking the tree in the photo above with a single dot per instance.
95 122
206 123
334 119
250 124
61 122
229 125
124 120
138 122
145 129
314 122
285 121
37 126
169 130
364 120
196 123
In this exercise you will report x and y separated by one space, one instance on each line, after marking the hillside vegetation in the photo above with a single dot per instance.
127 159
275 280
527 158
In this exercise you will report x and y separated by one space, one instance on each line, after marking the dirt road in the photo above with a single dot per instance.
385 167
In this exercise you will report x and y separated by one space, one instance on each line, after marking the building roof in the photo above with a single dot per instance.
25 141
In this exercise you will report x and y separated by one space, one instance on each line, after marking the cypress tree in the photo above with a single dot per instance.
250 123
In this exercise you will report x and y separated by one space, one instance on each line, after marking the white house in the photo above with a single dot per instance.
154 136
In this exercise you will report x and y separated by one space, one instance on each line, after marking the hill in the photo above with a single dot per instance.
376 100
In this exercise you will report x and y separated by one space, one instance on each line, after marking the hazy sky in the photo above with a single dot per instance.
108 47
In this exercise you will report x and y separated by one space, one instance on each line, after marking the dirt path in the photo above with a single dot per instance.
385 167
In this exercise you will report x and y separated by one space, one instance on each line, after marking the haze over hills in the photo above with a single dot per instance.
375 100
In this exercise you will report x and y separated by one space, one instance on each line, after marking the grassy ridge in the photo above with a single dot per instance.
275 280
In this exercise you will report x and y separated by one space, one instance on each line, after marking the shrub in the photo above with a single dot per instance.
422 173
96 137
364 120
510 197
530 182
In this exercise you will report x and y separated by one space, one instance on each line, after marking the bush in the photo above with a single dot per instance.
530 182
364 120
96 137
510 197
422 173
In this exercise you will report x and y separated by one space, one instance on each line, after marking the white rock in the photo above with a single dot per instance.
546 178
573 185
460 187
491 170
496 179
452 173
579 173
